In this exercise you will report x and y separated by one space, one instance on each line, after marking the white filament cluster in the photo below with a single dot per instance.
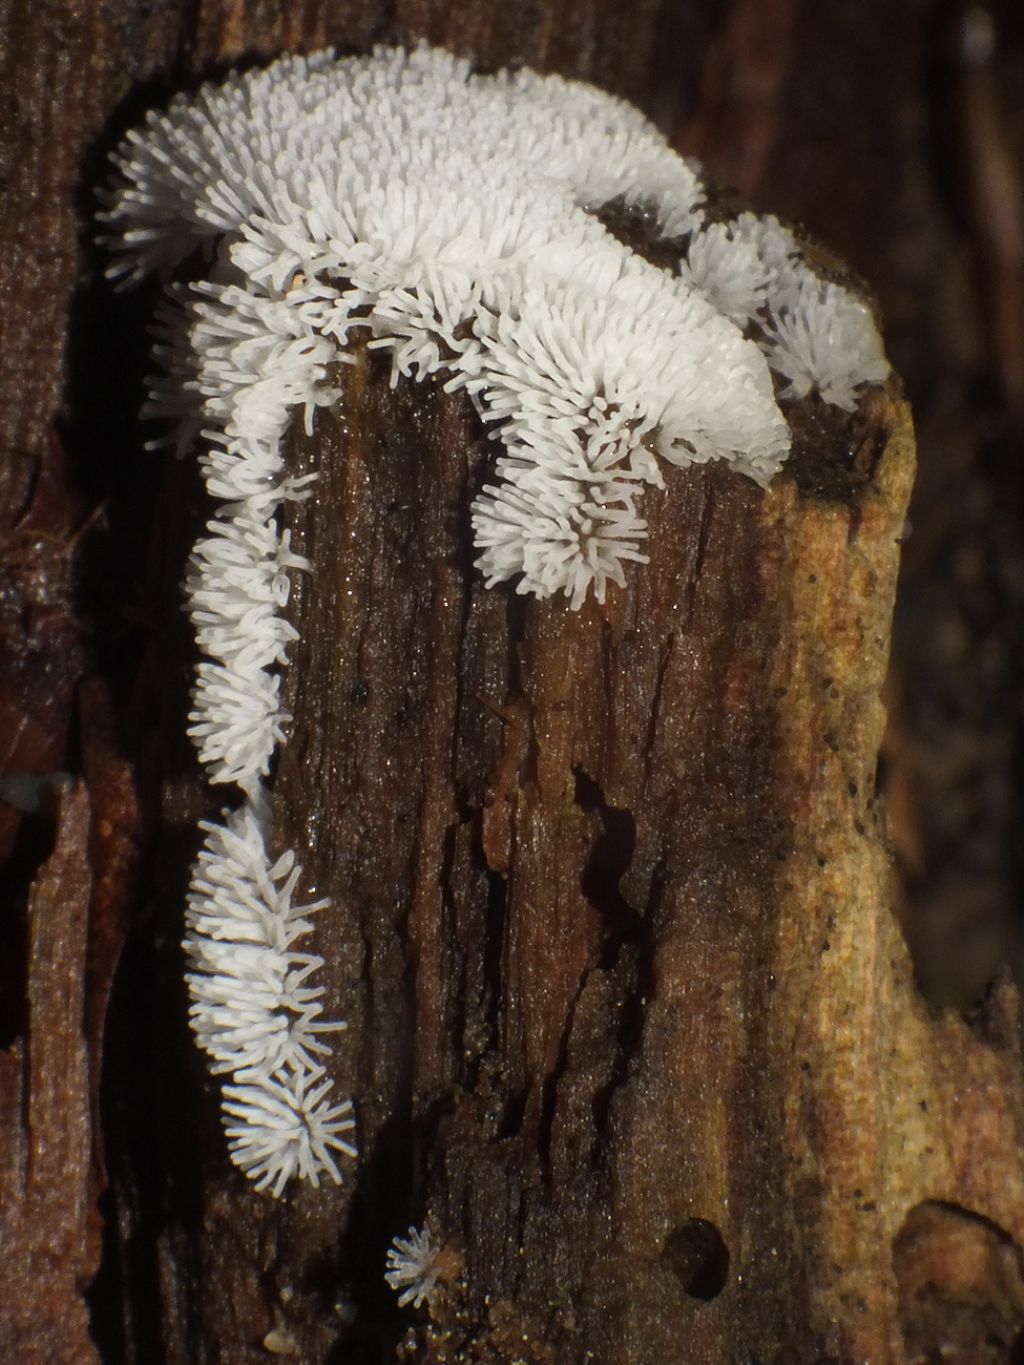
412 1267
253 1011
452 220
814 333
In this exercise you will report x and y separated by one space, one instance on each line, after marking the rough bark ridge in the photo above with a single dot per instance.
632 1024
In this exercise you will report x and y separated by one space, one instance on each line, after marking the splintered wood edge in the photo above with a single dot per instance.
909 1106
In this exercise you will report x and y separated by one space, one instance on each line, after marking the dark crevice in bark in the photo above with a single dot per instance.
495 929
633 974
664 659
513 1113
26 853
607 864
460 998
698 546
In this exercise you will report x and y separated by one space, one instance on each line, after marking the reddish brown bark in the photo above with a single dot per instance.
49 1231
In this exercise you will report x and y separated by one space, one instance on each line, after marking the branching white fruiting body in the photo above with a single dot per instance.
451 218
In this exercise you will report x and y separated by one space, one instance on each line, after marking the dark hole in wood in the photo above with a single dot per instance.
699 1258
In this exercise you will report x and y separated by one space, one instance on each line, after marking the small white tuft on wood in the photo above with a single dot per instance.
822 337
413 1267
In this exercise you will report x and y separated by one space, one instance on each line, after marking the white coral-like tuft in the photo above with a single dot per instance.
413 1267
253 1011
453 220
586 358
821 336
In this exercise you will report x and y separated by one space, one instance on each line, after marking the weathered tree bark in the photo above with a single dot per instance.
631 1022
48 1231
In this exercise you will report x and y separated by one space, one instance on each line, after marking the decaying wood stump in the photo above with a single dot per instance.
632 1026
